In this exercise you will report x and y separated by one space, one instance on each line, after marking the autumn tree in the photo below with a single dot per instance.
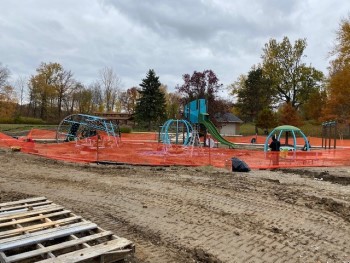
7 95
292 80
48 89
173 105
338 88
313 107
4 75
288 115
150 108
8 102
254 93
85 104
128 100
201 85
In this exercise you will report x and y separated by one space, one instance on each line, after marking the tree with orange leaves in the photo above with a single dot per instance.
338 89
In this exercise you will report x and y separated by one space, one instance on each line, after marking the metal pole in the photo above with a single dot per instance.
329 136
335 134
177 132
322 134
97 148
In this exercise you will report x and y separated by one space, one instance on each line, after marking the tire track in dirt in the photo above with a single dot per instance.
248 203
149 246
193 215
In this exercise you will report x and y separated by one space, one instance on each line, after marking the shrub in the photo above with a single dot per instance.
125 129
28 120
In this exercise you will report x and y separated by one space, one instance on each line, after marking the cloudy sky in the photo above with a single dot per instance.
173 37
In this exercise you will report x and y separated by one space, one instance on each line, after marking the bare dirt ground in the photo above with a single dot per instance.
178 214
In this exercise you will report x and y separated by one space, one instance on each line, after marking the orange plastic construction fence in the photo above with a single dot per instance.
144 149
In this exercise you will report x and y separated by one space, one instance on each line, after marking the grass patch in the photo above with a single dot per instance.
24 127
309 129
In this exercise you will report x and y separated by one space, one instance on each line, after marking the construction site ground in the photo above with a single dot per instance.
203 214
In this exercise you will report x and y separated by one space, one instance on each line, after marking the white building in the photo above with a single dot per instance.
228 124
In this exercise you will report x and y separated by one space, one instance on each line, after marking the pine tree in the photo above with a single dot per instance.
151 107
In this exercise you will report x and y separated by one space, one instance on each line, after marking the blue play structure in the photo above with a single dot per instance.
79 126
196 110
197 113
186 131
176 131
288 130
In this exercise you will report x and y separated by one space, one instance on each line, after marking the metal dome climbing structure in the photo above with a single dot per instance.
80 126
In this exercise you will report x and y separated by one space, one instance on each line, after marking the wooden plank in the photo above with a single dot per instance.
23 201
10 208
60 246
92 252
34 218
37 214
6 213
25 213
2 257
32 228
52 233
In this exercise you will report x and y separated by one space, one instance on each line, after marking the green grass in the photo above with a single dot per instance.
308 129
24 127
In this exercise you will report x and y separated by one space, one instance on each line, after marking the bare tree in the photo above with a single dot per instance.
65 83
97 97
21 84
110 84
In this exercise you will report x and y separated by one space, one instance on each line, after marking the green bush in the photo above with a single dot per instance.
309 129
22 120
28 120
125 129
6 121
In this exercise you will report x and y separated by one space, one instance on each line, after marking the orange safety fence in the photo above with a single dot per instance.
144 149
37 134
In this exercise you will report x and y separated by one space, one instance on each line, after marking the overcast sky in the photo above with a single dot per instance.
173 37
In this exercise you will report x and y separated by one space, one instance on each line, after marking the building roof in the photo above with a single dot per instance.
227 117
115 115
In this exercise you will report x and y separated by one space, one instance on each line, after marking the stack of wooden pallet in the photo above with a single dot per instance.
37 230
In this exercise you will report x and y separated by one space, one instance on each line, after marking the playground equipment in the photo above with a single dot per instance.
80 126
287 130
178 132
329 132
196 113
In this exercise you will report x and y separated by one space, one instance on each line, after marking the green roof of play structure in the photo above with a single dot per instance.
286 128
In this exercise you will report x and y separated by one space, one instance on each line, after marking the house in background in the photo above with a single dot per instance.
228 124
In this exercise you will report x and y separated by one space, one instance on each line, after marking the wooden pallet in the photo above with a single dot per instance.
37 230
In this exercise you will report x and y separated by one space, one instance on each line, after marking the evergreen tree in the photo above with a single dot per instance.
151 106
254 93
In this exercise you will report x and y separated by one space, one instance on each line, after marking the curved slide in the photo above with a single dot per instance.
214 132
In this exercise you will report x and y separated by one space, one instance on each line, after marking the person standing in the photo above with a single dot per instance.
275 147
